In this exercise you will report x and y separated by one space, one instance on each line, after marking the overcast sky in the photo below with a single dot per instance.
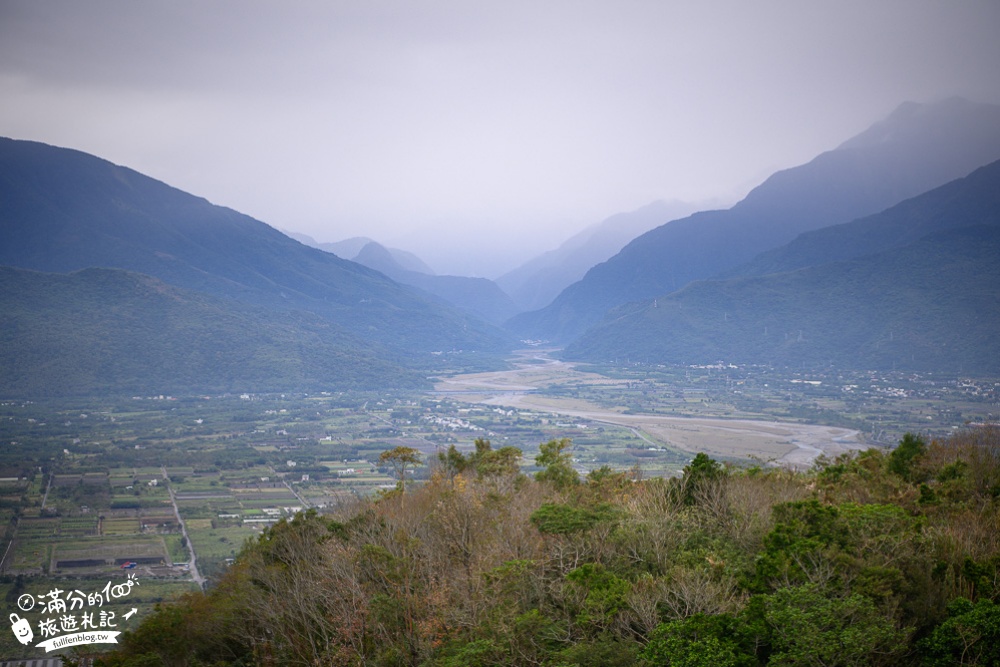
475 133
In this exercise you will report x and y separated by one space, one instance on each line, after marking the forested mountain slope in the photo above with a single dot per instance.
931 306
109 331
63 210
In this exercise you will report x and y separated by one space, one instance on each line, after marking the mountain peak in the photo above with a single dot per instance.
376 256
935 121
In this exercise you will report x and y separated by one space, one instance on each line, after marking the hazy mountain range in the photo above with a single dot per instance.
918 147
914 287
879 253
350 248
537 282
479 296
62 211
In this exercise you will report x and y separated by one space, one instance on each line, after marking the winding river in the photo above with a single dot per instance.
779 443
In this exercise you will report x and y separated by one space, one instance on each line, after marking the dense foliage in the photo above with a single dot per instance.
873 559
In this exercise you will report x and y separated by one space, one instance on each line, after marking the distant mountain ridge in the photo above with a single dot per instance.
63 210
537 282
916 148
972 200
349 249
914 287
479 296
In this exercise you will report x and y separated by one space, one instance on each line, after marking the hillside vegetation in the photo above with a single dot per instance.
876 559
932 305
113 332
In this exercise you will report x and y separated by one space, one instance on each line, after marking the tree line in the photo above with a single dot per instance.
875 558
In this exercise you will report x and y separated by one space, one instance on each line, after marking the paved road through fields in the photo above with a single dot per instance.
193 563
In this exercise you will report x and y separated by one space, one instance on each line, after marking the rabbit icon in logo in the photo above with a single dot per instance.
22 629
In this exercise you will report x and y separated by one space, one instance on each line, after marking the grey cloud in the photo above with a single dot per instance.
407 119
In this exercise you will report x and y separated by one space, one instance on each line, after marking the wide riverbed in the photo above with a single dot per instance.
790 444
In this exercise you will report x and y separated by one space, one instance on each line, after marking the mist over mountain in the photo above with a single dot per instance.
349 249
479 296
537 282
919 290
63 210
916 148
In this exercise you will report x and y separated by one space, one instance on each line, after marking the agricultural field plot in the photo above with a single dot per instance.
286 504
28 557
246 476
326 495
125 506
217 546
220 518
12 490
207 508
357 477
361 485
197 483
159 519
121 526
148 473
177 548
79 526
31 528
220 543
39 550
93 521
106 555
